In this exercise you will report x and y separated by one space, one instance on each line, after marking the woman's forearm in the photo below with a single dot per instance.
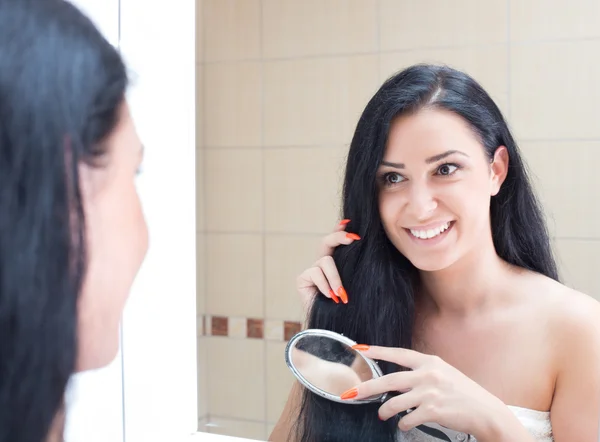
504 426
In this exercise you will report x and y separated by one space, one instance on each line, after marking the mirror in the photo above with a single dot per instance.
325 363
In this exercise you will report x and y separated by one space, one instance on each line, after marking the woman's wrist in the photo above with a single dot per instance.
503 426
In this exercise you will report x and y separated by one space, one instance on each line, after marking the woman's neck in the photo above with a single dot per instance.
473 284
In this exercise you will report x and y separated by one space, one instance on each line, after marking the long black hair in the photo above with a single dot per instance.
61 89
380 280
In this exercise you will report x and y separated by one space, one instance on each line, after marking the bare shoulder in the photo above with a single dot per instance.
570 307
573 332
570 314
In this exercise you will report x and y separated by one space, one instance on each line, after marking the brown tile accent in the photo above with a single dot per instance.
203 325
220 326
290 329
255 328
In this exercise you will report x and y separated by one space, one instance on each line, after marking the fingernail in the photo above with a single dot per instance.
350 394
352 236
360 347
342 294
334 296
344 222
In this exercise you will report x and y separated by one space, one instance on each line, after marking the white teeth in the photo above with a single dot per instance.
431 233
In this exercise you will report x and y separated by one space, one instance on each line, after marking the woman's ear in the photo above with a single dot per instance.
499 169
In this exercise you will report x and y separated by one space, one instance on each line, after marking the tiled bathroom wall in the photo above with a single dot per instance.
281 84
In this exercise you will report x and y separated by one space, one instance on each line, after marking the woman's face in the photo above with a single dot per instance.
435 186
117 241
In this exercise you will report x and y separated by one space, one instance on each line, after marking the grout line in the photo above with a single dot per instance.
338 55
205 375
575 239
346 145
508 61
378 30
558 140
278 147
264 202
319 235
334 55
245 420
261 232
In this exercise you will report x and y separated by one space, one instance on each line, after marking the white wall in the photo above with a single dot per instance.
159 327
149 392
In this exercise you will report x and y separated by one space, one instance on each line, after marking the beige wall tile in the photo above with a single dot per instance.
231 29
200 220
568 185
410 24
273 327
294 28
236 393
473 61
202 376
555 92
199 31
554 19
287 256
238 327
232 104
312 102
208 325
579 264
234 275
238 428
235 202
199 106
280 380
302 189
200 274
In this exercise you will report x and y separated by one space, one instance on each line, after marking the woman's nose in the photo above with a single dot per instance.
422 202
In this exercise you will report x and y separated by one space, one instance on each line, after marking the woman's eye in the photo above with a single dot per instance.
393 178
447 169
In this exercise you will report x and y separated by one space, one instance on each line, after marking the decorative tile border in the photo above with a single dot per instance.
248 328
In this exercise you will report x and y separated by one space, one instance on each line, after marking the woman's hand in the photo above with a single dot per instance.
323 276
436 392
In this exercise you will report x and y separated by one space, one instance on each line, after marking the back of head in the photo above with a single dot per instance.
380 281
61 85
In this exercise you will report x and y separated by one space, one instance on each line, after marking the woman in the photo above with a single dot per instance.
72 232
446 267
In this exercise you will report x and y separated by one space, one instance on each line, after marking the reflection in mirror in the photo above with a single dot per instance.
327 364
278 108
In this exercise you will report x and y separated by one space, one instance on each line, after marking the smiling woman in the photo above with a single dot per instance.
451 280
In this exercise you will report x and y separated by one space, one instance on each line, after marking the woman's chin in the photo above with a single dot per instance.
431 263
430 267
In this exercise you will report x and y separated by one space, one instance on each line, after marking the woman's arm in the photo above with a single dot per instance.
575 412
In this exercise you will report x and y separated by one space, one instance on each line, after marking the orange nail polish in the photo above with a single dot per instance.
360 347
344 222
352 236
334 297
342 294
350 394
